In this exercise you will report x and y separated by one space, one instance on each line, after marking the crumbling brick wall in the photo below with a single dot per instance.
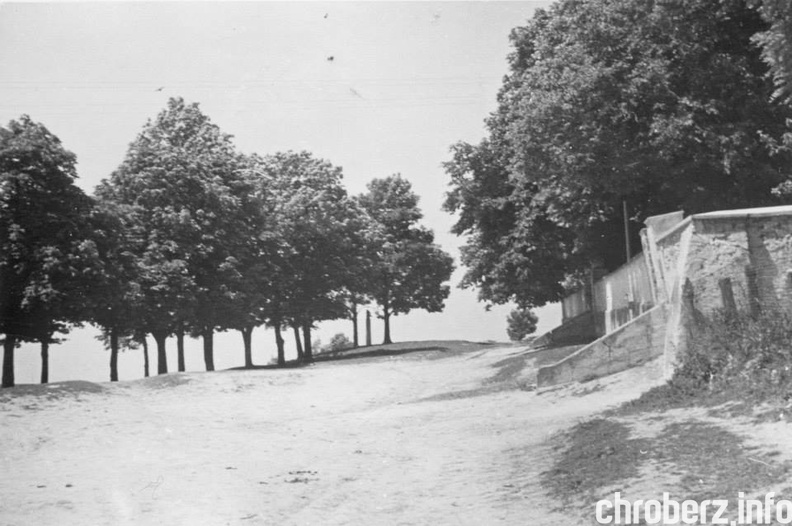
752 253
738 259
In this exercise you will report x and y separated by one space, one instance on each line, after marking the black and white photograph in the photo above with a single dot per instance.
368 263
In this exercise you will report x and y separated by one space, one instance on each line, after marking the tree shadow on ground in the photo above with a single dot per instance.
516 372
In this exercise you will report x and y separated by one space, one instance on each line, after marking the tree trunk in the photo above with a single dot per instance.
386 319
180 350
307 350
354 311
162 357
298 342
113 355
8 360
145 357
247 337
208 348
279 344
45 360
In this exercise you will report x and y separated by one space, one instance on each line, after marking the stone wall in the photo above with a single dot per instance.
575 304
739 259
673 248
623 294
736 259
628 346
754 252
668 247
606 303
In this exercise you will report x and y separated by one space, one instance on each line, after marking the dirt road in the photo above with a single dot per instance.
422 438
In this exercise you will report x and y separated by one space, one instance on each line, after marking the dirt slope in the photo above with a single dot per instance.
431 437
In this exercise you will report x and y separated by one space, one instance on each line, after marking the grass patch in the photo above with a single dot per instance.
509 369
740 355
737 361
738 365
670 395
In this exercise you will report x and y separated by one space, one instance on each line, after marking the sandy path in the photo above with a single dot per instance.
338 443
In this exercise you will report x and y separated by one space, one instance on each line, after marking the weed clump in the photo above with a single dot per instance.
732 356
741 353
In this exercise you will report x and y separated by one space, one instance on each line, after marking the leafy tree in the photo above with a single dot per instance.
116 295
409 271
42 244
319 234
656 105
357 291
257 257
512 252
58 294
776 42
185 184
521 323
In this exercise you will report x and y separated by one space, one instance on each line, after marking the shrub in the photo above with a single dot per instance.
752 353
734 357
521 323
339 342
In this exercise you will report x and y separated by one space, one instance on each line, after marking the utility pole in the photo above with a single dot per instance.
626 231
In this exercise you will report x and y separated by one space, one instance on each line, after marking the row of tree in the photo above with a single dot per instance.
614 105
189 237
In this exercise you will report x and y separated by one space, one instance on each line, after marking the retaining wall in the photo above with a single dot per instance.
696 265
578 330
633 344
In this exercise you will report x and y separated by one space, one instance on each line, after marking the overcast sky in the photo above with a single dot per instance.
374 87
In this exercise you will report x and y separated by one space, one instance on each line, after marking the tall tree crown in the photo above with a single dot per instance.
46 257
656 105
